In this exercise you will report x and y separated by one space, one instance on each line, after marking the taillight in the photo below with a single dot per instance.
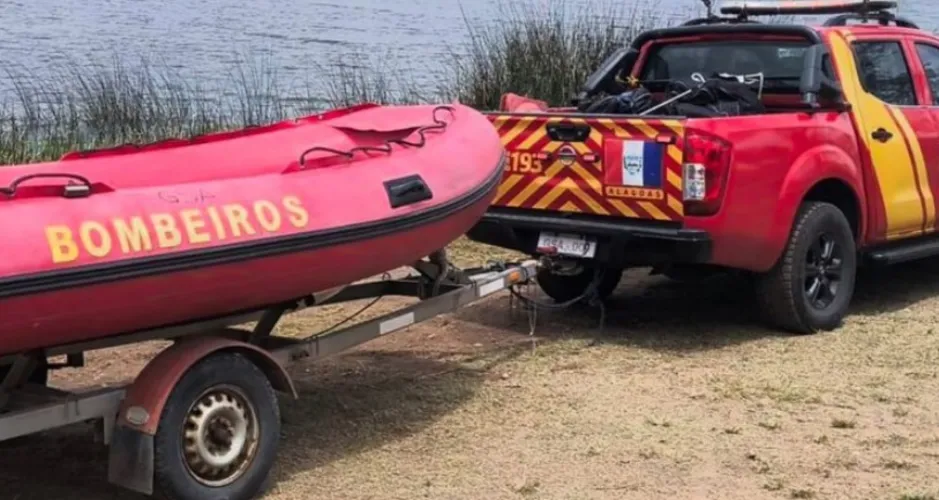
705 170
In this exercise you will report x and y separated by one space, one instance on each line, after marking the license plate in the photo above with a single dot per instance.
568 244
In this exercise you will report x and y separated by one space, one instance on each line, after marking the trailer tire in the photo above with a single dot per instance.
784 292
220 402
566 287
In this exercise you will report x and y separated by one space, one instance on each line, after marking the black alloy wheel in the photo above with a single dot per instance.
823 271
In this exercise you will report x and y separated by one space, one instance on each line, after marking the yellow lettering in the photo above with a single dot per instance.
297 214
216 222
625 192
193 221
167 233
61 244
134 234
523 162
238 219
268 215
96 246
132 237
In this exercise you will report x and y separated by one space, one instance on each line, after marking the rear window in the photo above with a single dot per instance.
780 62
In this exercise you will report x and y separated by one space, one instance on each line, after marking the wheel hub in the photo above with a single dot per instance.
220 436
823 271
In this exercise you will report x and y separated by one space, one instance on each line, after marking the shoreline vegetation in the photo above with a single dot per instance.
545 52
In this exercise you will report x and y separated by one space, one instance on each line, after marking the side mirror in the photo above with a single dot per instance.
604 76
815 84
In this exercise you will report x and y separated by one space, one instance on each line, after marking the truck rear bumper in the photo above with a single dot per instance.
620 242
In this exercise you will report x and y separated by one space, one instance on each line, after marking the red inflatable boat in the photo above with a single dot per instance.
117 240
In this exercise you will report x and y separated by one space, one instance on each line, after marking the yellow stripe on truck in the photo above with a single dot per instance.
519 127
919 159
891 161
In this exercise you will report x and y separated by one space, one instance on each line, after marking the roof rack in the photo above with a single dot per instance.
883 18
718 20
846 10
712 19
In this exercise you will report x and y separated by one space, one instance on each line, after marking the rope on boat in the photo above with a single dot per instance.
140 146
438 124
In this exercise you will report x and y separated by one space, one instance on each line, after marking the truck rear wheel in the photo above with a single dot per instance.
564 286
219 432
811 287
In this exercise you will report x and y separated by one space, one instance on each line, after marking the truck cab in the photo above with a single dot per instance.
790 153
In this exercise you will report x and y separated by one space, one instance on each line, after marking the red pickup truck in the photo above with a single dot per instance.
791 153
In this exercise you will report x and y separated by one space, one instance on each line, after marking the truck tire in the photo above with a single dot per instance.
567 287
219 432
811 286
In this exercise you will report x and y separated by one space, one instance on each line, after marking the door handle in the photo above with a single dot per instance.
881 135
568 132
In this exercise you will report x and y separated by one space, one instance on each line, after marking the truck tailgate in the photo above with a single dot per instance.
617 167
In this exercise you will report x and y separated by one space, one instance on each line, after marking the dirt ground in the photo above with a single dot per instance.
682 394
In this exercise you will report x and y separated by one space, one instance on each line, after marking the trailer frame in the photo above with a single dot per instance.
130 415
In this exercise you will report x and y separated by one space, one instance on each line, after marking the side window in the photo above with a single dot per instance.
929 55
884 72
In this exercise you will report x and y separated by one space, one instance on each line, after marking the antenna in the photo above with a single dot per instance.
708 4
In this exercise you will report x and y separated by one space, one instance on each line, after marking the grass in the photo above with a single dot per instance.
545 52
469 406
94 104
839 423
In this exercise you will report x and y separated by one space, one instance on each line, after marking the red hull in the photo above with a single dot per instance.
176 232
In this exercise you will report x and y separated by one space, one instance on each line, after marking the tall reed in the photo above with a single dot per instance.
545 52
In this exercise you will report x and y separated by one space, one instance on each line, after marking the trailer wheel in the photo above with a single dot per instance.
811 287
568 285
218 434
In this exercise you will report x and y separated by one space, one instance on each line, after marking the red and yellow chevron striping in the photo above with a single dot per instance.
562 176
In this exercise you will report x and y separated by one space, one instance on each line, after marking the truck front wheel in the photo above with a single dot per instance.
564 285
811 286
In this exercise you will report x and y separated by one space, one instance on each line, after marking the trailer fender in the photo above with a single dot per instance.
130 461
145 397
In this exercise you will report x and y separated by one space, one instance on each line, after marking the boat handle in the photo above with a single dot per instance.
70 190
407 190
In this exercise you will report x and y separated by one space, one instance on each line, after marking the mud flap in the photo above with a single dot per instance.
130 460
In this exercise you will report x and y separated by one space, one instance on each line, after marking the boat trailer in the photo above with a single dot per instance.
201 420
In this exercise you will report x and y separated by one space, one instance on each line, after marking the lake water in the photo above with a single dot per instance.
297 38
